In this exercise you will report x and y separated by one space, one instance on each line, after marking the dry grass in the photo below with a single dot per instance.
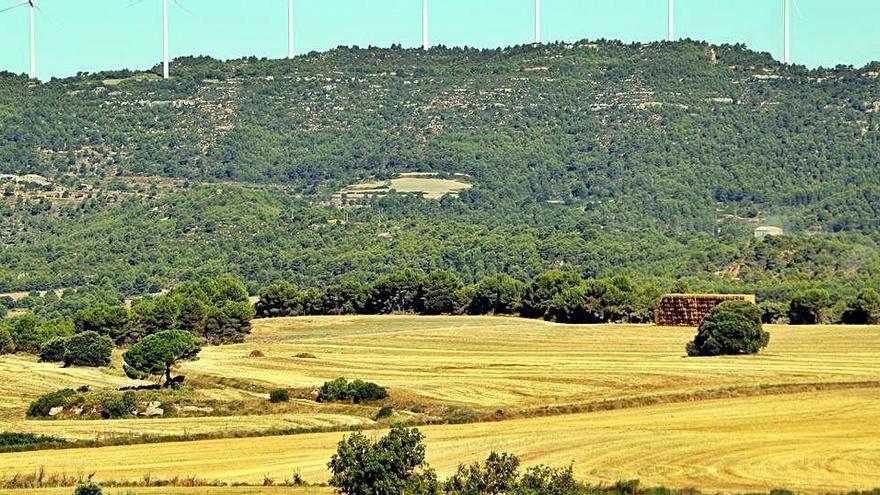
510 363
820 440
813 442
431 187
209 490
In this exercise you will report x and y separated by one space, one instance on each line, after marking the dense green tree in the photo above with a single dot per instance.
279 299
439 290
53 350
499 294
399 292
157 354
89 349
809 307
7 345
393 465
864 310
543 288
112 321
732 327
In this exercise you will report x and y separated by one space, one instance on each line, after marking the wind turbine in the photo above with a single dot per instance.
425 41
165 58
538 22
32 7
289 29
787 8
670 31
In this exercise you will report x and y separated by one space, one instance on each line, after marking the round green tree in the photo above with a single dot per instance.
157 354
88 349
731 328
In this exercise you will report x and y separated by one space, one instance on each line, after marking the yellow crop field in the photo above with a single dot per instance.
811 442
802 414
225 490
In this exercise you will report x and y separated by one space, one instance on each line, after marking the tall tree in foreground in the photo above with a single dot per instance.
157 354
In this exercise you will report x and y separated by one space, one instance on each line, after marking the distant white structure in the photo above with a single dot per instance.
787 7
670 30
765 231
289 29
538 21
425 41
166 73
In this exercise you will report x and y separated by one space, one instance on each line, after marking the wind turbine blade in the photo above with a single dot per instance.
797 9
188 11
135 2
14 6
51 19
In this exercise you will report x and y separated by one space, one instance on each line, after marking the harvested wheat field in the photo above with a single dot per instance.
491 363
811 442
224 490
801 414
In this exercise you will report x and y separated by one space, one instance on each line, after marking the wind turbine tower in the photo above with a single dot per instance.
787 7
425 41
165 72
537 21
670 31
33 73
289 29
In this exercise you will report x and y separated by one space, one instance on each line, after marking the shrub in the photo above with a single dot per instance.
865 310
10 441
41 407
732 327
53 350
357 391
279 395
88 349
7 345
87 489
393 464
385 412
118 405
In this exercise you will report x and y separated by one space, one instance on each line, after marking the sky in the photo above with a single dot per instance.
90 35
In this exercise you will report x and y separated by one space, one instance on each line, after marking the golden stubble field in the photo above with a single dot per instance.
820 435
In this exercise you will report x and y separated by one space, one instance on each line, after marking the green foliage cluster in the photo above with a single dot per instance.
394 464
279 395
357 391
88 349
88 489
42 406
731 328
647 160
157 354
10 440
556 295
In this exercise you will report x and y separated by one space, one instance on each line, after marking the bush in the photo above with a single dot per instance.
385 412
358 391
53 350
118 405
7 345
87 489
279 395
865 310
88 349
10 441
393 464
41 407
732 327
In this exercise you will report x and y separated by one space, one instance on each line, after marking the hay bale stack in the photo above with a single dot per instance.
688 310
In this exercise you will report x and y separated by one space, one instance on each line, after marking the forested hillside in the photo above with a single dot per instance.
655 161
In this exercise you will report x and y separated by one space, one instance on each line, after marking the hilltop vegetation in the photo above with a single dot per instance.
655 161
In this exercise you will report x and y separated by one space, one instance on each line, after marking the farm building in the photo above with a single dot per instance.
688 310
765 231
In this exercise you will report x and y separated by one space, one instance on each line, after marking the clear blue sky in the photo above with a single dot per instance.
89 35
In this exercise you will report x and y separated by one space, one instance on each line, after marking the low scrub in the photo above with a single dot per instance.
279 395
14 442
357 391
42 407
